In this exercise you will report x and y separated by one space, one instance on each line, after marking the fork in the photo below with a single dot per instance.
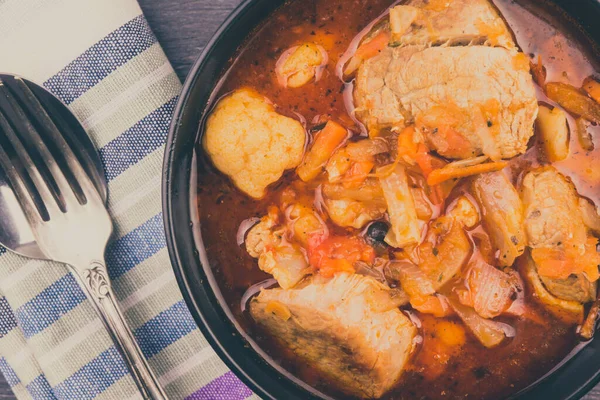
66 214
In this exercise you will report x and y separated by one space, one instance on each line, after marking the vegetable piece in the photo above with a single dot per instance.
539 72
353 163
305 224
364 150
592 87
426 161
370 191
490 291
502 215
567 310
451 333
422 204
357 174
588 328
444 252
572 100
401 18
434 304
419 287
554 131
569 258
374 46
407 146
338 165
286 263
349 213
278 309
298 65
583 134
326 142
337 254
464 212
590 215
444 174
405 229
248 140
366 50
489 333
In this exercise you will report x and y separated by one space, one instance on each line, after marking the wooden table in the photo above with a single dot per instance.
183 27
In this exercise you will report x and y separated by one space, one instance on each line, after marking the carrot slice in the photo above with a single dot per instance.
367 50
561 262
327 141
374 46
406 144
539 72
592 87
358 174
444 174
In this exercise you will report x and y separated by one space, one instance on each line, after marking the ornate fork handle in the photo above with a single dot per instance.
94 280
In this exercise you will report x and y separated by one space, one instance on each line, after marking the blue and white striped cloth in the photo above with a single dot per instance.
102 60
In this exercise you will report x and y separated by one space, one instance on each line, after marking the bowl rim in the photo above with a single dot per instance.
568 370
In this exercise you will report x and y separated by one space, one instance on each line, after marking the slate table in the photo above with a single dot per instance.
183 27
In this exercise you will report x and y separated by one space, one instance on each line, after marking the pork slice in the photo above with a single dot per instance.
475 91
552 219
502 215
455 22
574 288
345 328
552 215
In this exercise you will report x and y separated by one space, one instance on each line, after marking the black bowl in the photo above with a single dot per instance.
569 380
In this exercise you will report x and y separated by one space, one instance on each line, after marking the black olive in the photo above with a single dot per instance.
376 232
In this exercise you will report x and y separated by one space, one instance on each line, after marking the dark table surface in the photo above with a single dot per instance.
183 27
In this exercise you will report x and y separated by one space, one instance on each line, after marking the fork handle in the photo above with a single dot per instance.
94 280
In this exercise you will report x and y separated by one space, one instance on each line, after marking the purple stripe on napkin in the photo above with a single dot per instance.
226 387
137 142
135 247
48 306
101 59
94 378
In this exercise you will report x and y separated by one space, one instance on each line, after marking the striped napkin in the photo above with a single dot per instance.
102 60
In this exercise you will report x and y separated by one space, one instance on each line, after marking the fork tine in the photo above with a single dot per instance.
26 201
79 174
52 115
34 174
20 120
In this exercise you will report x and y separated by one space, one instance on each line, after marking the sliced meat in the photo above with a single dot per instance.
552 216
562 255
343 328
574 288
567 310
502 215
468 101
454 22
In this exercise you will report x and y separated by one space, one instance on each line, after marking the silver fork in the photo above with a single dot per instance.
67 216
